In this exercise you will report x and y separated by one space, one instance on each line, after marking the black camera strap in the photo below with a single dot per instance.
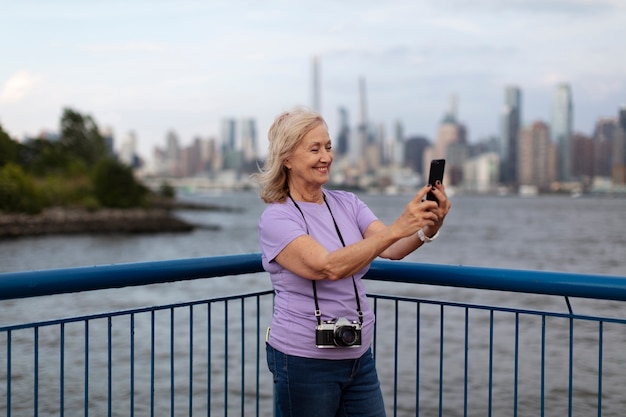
318 314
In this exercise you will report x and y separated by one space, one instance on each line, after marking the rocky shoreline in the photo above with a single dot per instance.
66 221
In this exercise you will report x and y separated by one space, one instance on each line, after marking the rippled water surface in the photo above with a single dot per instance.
580 235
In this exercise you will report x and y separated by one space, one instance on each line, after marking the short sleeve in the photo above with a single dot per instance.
277 228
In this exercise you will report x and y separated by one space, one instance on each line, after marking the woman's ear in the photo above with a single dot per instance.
287 164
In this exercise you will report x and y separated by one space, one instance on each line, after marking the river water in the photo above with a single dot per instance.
551 233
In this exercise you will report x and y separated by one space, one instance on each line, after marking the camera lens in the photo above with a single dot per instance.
346 336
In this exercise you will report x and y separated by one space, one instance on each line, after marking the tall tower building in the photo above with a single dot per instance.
363 130
228 131
604 138
342 146
248 139
231 153
316 84
618 171
128 149
561 128
450 144
510 124
536 156
397 144
173 154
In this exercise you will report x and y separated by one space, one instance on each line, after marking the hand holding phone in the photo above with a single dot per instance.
437 167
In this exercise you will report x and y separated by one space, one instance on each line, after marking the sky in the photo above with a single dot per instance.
154 66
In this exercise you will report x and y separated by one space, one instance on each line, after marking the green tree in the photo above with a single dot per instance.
41 157
8 148
17 190
115 185
81 138
166 190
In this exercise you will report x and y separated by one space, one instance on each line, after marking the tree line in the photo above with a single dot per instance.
77 170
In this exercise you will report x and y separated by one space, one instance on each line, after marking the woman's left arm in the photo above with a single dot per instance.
403 247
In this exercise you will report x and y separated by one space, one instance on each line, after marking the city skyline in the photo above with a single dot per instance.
186 66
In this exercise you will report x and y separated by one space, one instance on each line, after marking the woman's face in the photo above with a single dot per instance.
309 165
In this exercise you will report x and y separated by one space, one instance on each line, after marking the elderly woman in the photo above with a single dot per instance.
316 245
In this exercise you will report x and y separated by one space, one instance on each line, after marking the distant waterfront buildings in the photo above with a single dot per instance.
540 155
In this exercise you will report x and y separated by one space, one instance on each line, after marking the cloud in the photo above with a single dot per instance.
457 24
567 7
124 47
19 86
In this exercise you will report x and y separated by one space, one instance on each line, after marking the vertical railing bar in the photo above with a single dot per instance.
209 369
132 365
190 360
600 348
9 373
62 371
243 355
110 366
543 364
490 407
571 366
374 344
417 358
86 394
466 359
172 383
36 379
395 362
516 365
226 358
258 351
152 354
441 325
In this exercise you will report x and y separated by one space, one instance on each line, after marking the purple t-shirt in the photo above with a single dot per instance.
293 324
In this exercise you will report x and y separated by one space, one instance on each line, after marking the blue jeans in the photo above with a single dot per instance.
305 387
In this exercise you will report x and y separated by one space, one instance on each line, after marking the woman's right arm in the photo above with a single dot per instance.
308 258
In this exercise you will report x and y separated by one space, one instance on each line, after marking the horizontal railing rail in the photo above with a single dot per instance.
204 357
58 281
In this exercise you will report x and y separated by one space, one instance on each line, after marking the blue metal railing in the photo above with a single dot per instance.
435 357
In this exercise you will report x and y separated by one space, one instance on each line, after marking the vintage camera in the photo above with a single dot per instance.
338 332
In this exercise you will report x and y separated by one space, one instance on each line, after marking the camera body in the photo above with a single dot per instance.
338 332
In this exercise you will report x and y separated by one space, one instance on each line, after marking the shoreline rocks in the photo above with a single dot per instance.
81 221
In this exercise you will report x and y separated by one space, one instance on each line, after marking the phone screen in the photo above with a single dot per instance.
437 167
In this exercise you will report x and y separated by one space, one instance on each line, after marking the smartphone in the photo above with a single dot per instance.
437 167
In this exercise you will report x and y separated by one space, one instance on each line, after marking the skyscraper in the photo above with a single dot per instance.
536 156
228 131
510 124
450 144
618 173
561 128
342 145
230 151
363 140
397 144
316 84
248 139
